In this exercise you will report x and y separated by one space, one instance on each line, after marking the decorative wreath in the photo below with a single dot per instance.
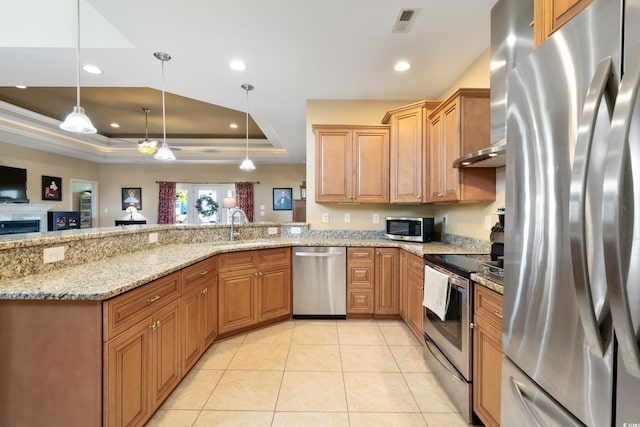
210 206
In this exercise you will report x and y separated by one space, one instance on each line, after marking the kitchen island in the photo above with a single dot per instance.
56 348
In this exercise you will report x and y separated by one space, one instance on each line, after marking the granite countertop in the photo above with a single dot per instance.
488 282
112 276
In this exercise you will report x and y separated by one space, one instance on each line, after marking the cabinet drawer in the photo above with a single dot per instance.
360 254
360 276
275 256
236 261
488 304
126 310
360 302
192 275
415 265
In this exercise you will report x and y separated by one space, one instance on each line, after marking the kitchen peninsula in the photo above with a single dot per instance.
58 332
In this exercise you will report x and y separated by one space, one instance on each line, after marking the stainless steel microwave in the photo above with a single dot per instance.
409 229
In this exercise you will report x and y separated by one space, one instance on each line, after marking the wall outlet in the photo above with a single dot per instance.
296 230
261 213
325 217
261 207
106 210
347 217
376 218
53 254
153 237
272 230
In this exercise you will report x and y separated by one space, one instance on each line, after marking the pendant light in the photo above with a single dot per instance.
164 153
247 164
77 121
146 146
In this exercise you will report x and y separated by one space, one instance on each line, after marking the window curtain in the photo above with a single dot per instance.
166 202
244 198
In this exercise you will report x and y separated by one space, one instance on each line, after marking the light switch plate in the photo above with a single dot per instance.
153 237
347 217
272 230
53 254
296 230
376 218
325 217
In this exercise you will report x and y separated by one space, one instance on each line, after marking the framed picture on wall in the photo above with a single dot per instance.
131 197
282 199
51 188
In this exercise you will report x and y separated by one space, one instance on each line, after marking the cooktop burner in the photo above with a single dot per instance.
462 265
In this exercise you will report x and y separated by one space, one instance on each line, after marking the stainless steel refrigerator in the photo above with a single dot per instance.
572 260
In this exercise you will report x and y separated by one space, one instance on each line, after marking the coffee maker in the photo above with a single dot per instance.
497 239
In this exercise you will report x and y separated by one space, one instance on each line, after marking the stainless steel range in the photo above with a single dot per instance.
448 341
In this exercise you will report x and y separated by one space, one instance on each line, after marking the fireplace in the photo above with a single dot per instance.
10 212
20 226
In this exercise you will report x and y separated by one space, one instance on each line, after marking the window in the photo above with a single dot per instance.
187 196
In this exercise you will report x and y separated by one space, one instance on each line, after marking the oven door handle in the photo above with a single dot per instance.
453 372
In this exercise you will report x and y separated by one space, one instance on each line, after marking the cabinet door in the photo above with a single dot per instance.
451 151
274 291
387 286
550 15
407 156
487 372
237 300
192 312
126 376
403 286
165 354
415 295
333 165
370 166
210 312
435 184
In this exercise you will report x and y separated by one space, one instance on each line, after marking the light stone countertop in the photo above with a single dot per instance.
487 282
112 276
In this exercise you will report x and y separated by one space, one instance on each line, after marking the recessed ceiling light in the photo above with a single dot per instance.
233 126
237 65
92 69
114 125
21 86
402 66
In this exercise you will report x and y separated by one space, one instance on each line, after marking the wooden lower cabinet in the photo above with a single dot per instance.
387 281
415 295
142 367
487 355
360 281
404 300
253 292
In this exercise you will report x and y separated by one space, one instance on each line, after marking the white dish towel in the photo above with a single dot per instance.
436 291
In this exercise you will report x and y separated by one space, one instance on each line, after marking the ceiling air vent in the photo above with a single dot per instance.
404 20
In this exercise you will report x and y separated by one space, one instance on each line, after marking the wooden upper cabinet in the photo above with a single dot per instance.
407 148
352 163
550 15
460 125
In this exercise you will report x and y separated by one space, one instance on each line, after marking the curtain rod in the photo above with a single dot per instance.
211 183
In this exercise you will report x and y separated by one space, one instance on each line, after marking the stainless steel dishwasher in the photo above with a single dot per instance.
319 282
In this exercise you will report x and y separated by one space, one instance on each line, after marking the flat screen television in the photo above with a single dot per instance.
13 185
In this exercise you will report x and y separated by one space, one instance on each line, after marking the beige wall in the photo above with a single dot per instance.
113 177
464 219
349 112
39 163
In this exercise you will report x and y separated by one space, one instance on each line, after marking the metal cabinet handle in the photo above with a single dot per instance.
617 215
155 298
204 272
602 86
154 325
497 314
204 291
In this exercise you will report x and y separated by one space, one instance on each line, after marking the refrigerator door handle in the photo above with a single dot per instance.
617 215
603 85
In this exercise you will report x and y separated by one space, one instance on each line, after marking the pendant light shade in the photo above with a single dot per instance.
164 153
77 120
247 164
146 146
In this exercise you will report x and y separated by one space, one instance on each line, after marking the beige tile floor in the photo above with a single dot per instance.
312 373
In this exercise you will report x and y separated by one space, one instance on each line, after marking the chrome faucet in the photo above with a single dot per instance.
233 234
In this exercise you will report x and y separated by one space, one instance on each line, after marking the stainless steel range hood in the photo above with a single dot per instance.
511 39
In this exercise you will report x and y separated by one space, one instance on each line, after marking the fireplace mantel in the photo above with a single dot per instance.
22 211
